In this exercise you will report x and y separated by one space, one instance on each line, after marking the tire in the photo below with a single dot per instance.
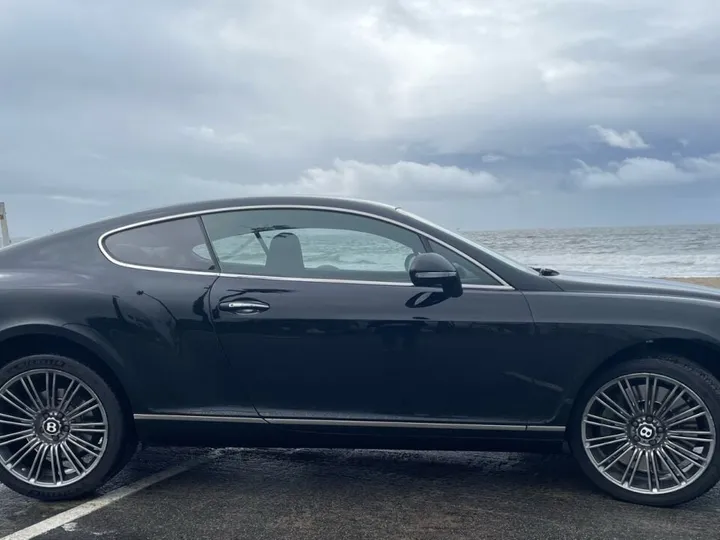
127 452
68 458
608 450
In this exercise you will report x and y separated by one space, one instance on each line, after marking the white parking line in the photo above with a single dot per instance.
89 507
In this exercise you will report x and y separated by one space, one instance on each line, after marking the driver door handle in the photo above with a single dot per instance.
246 307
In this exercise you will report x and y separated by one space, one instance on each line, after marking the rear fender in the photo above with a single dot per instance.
85 337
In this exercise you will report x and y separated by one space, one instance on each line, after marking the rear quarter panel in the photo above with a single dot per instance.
161 347
32 305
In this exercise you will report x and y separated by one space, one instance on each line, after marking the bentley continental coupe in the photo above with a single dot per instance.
335 323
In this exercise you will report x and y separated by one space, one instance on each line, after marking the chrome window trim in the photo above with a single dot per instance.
502 284
349 423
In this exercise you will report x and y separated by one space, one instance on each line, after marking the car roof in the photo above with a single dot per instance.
169 211
219 204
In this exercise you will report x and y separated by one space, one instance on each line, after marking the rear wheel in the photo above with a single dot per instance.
62 431
646 431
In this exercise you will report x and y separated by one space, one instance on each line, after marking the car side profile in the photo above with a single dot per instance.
323 322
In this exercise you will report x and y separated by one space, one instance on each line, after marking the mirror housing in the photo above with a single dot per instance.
434 270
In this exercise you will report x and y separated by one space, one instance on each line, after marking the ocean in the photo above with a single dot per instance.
667 251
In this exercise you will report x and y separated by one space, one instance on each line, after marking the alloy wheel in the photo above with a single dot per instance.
648 433
53 428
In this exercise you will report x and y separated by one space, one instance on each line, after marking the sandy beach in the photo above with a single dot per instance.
707 281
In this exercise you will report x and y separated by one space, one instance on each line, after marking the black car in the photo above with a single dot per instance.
336 323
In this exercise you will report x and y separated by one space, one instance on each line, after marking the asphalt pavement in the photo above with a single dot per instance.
338 495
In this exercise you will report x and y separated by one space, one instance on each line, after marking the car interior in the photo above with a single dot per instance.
284 258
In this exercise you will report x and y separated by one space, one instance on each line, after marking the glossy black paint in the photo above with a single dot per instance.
378 352
340 364
436 272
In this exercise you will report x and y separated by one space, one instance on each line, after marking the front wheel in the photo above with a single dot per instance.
645 431
62 429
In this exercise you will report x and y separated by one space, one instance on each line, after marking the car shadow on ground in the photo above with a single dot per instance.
312 493
554 476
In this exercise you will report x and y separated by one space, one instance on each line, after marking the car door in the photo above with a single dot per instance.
314 308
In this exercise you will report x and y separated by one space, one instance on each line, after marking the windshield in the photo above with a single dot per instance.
503 258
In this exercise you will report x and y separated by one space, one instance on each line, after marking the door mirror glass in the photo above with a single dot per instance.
434 270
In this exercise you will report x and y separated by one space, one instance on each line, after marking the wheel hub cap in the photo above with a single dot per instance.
648 433
52 426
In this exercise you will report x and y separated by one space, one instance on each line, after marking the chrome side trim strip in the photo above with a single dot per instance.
390 424
201 418
348 423
502 284
551 429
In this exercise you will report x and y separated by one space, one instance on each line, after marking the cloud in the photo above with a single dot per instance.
402 179
628 139
492 158
641 172
77 200
188 99
349 178
204 133
208 135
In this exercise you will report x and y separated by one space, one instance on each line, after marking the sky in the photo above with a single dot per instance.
484 114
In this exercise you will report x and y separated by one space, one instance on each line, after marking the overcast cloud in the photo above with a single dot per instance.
480 114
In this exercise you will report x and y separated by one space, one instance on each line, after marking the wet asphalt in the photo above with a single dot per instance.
338 494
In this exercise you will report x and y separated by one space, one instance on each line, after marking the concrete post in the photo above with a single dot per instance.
4 234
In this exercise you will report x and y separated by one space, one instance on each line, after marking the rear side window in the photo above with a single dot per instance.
169 244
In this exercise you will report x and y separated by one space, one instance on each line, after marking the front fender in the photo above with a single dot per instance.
577 333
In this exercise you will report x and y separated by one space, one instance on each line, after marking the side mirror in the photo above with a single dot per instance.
434 270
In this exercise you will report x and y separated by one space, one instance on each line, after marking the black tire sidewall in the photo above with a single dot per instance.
116 427
691 375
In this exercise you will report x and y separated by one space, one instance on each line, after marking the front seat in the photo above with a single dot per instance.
285 256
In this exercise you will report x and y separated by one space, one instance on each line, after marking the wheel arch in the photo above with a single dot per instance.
75 341
701 352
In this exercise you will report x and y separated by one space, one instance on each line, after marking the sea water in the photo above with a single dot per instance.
666 251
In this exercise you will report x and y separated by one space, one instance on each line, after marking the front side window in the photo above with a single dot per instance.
470 273
307 243
169 244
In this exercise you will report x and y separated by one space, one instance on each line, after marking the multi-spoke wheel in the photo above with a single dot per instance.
61 428
646 431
